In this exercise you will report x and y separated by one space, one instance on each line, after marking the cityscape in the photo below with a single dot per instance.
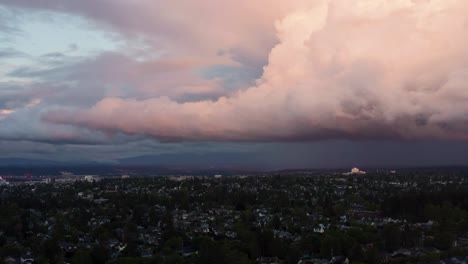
233 131
383 216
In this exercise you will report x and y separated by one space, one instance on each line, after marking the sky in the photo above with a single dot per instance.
268 83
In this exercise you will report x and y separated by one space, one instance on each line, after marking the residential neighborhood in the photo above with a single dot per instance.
287 217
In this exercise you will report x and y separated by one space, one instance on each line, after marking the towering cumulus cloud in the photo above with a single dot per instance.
342 69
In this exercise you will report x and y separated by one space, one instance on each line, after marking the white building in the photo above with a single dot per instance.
91 178
49 180
355 171
3 182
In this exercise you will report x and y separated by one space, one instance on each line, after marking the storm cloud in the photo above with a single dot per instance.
342 69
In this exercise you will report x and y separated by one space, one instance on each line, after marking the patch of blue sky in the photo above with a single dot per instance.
40 38
38 33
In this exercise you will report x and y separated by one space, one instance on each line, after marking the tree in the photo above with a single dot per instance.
174 259
392 237
173 244
99 254
81 257
276 222
310 244
444 240
357 254
372 256
50 249
131 250
210 252
329 247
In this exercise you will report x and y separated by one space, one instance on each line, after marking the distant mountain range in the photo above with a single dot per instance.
143 165
6 162
178 160
177 163
205 160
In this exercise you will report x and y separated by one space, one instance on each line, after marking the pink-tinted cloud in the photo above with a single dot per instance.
342 69
186 28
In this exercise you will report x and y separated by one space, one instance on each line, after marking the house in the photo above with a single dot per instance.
27 258
455 260
10 260
401 253
339 260
321 228
146 252
309 260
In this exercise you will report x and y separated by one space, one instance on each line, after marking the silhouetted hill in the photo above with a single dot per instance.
15 162
241 161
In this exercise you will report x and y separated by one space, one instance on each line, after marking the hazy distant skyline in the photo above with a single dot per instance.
281 84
